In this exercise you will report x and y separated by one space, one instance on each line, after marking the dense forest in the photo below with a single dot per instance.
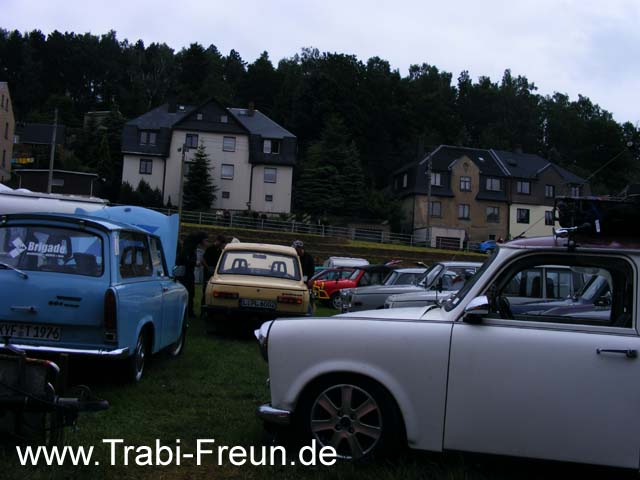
356 121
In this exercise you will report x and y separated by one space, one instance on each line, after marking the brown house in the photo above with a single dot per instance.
479 194
7 127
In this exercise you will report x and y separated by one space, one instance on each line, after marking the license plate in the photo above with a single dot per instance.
253 303
30 331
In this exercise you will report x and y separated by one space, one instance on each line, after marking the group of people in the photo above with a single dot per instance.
196 251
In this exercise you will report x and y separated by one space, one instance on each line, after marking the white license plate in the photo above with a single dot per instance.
253 303
30 331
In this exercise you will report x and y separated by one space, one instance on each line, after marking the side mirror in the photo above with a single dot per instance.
603 301
476 309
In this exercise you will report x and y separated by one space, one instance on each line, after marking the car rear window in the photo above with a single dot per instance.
263 264
52 249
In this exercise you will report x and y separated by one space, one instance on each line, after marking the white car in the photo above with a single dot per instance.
469 374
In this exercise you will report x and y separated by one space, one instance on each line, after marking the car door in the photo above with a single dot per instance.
555 387
173 304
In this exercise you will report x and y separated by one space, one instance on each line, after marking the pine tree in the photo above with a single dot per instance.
199 190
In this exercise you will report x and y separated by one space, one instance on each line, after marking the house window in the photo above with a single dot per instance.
575 191
227 172
395 183
436 180
435 209
4 158
147 137
146 166
549 191
463 211
548 217
270 175
271 146
465 184
6 130
229 144
493 214
522 215
268 198
198 116
493 184
191 140
492 237
523 187
225 194
224 119
404 181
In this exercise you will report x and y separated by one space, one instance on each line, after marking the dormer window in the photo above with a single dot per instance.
148 137
494 184
271 146
224 119
436 179
198 116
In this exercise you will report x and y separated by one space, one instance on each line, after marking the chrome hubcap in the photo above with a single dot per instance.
140 354
348 419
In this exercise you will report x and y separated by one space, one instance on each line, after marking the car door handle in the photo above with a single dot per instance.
24 308
165 289
627 353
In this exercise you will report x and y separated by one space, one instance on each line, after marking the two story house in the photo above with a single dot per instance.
7 127
479 194
251 157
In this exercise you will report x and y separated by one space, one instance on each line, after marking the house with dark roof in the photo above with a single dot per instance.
478 194
251 156
7 127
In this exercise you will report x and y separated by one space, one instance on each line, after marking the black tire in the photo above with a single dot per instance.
335 301
370 425
177 348
136 363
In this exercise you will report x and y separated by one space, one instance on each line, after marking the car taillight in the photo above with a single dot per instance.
110 315
290 299
227 295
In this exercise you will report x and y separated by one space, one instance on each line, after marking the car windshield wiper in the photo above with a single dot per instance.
11 267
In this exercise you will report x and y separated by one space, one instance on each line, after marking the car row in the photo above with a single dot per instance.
555 380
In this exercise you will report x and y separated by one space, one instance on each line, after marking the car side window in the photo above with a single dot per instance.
157 259
605 299
135 258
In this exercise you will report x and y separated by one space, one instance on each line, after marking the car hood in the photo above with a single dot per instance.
387 289
422 295
408 313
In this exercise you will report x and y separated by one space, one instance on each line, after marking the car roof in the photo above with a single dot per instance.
582 241
411 270
460 264
262 247
75 219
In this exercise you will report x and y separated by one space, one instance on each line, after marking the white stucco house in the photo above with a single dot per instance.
251 157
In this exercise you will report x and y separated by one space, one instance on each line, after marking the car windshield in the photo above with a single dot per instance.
51 249
259 263
454 299
430 275
354 275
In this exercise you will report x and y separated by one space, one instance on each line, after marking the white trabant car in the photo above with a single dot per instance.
470 374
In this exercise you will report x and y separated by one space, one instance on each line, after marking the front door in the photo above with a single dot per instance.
563 387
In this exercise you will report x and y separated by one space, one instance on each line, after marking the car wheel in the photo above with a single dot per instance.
336 301
355 416
177 348
137 362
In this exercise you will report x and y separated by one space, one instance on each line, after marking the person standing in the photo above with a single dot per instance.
189 258
308 267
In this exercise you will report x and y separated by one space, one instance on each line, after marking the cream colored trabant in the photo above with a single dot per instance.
255 281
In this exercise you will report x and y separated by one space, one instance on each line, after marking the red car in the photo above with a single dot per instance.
328 283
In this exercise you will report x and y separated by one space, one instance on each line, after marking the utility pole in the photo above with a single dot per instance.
53 150
180 187
428 174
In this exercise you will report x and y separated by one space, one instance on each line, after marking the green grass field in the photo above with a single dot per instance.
212 392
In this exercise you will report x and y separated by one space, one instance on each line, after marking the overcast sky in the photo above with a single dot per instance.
588 47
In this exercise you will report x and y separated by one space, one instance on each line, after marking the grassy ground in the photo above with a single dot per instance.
212 392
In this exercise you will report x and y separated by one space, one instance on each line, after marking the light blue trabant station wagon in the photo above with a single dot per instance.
95 283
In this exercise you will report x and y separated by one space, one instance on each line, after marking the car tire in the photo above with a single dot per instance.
335 301
177 348
354 415
136 363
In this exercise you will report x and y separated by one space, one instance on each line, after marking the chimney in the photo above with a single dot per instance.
172 104
251 110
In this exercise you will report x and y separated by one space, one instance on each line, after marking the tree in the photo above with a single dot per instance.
199 191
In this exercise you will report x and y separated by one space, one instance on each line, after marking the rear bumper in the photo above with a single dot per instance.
273 416
98 352
211 310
